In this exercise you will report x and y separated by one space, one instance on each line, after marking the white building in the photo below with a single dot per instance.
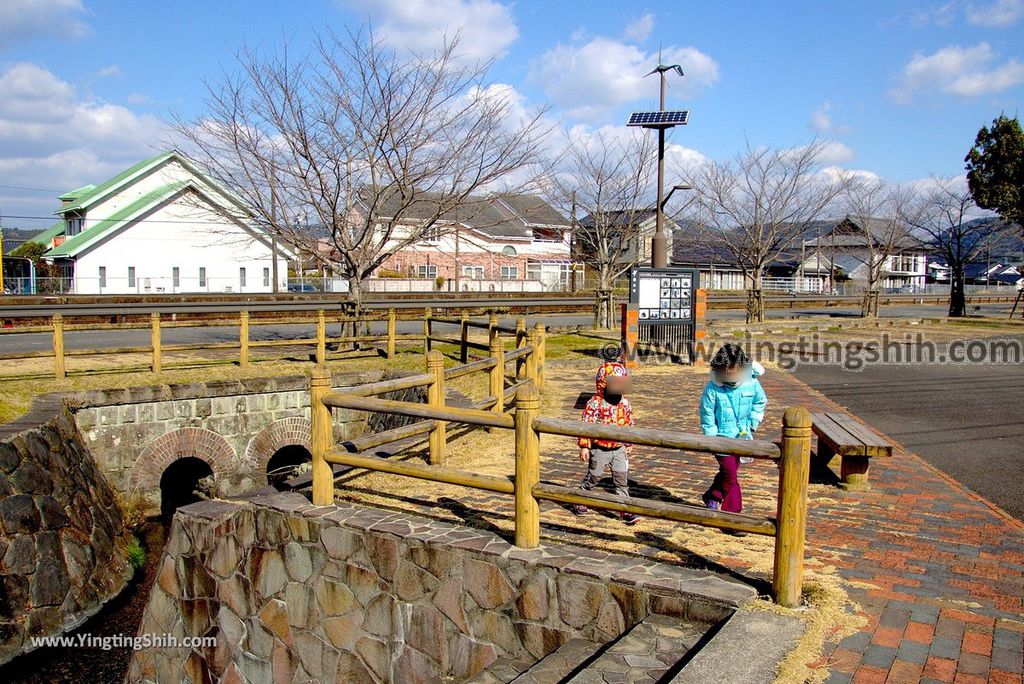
161 226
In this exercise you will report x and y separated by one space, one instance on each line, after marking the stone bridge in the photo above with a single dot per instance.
150 440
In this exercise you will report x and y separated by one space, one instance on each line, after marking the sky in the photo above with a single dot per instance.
897 89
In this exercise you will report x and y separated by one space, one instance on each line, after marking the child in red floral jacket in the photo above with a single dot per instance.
609 407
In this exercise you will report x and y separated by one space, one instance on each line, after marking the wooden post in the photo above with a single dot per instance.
540 335
531 358
427 313
321 336
520 342
243 339
791 520
321 436
59 371
389 351
492 328
435 398
154 338
463 339
497 376
527 534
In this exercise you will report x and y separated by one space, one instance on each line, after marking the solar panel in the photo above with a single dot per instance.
656 119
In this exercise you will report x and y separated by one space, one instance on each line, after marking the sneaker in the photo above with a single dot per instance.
580 510
746 460
629 518
714 505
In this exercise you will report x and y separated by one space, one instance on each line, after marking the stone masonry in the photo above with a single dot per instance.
62 537
297 593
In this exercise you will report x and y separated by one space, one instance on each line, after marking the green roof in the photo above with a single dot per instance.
76 193
119 218
88 196
50 233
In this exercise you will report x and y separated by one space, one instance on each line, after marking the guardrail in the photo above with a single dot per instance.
245 345
792 455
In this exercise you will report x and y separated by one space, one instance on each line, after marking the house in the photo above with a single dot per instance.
636 225
717 265
492 243
844 245
161 226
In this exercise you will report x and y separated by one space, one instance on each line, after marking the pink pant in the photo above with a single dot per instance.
726 486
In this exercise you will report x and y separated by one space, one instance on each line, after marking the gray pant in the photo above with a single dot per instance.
600 458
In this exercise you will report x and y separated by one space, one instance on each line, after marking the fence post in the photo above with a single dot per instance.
531 358
427 313
540 336
59 371
520 342
154 338
492 328
321 436
435 398
321 336
243 339
791 519
527 534
463 339
497 377
390 349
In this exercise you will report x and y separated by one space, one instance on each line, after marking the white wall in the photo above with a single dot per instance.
185 235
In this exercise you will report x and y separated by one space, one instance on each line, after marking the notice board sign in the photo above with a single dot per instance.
664 295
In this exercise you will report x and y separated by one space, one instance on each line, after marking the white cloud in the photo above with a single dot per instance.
964 72
23 19
821 120
139 99
835 152
110 71
835 172
999 14
638 30
940 15
591 79
53 137
487 27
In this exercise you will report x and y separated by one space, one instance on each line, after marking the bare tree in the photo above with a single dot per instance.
353 137
610 179
874 231
943 217
759 204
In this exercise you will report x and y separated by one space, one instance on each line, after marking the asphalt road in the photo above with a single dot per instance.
967 420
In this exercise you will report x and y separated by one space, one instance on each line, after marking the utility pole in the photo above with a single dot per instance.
273 232
572 243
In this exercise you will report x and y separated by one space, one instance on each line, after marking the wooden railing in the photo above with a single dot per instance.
244 345
792 455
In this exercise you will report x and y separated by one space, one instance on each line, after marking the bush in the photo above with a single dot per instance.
133 510
136 554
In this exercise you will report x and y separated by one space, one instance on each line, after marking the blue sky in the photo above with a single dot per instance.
898 88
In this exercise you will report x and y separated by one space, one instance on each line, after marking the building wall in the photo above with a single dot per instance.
180 234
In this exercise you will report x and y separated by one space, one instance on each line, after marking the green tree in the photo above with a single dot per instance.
995 168
29 250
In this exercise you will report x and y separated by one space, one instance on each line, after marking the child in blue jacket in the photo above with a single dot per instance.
732 405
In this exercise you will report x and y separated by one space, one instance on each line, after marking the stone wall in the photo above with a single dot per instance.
62 538
235 426
294 592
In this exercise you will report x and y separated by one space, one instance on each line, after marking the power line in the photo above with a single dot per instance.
21 187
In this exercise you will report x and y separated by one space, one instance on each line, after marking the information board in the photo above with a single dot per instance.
664 295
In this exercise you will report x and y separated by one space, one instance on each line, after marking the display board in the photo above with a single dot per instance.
664 295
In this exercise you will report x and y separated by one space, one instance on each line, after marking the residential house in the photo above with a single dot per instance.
635 226
491 243
717 265
161 226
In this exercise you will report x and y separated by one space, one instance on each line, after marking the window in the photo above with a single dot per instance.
473 272
74 226
266 277
426 271
175 277
509 272
131 276
432 233
533 271
202 276
103 276
241 277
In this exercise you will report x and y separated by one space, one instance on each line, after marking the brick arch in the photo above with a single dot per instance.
280 433
201 443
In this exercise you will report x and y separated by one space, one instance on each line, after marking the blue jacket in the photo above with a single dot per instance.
730 411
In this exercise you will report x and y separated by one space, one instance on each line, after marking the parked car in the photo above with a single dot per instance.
301 287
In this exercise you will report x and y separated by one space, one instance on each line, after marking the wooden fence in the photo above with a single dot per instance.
244 346
792 454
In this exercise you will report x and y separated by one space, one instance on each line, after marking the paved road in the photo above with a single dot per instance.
967 420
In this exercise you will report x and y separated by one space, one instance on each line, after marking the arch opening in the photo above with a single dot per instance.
179 483
283 463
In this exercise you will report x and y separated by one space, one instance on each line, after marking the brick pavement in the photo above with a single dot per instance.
938 572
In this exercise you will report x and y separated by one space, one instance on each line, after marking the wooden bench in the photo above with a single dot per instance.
843 436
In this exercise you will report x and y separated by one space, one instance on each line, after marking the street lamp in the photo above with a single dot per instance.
681 186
